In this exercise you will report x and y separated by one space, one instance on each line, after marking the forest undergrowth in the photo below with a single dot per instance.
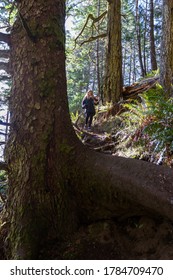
138 128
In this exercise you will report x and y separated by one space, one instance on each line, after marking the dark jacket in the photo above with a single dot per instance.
88 105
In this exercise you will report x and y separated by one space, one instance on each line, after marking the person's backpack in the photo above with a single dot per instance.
84 103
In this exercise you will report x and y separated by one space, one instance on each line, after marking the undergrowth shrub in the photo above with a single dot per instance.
150 124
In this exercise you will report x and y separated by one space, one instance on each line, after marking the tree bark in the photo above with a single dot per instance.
166 61
55 183
113 73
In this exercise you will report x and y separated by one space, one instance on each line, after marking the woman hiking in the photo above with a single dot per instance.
88 103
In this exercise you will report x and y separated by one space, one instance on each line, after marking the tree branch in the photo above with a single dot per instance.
6 38
4 53
93 38
72 7
4 123
27 29
3 166
4 134
94 19
4 66
4 78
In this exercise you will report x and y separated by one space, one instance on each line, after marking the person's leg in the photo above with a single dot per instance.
86 120
90 120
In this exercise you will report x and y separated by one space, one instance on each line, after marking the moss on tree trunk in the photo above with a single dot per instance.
38 149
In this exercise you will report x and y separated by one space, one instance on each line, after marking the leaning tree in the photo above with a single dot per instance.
55 182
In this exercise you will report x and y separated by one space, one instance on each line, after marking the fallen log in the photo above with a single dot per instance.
139 87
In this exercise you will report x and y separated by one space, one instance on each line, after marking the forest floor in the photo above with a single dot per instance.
134 238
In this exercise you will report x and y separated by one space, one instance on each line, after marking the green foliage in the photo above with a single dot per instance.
160 126
130 40
150 121
3 188
74 116
82 60
8 12
77 77
153 73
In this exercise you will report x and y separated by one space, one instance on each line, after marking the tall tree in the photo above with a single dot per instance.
113 73
38 121
50 193
138 33
166 63
152 39
98 57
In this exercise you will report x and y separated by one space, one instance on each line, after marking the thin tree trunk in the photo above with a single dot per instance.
124 63
145 40
7 127
130 70
134 61
98 55
138 33
98 67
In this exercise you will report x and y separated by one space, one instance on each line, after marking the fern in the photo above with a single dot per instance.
150 122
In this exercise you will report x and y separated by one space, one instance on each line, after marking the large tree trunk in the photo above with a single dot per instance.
166 63
55 182
113 73
152 38
42 139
